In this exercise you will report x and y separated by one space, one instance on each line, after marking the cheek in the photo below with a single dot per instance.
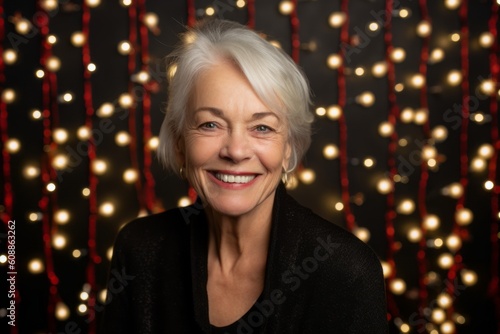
199 150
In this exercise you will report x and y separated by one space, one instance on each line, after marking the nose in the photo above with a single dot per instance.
236 146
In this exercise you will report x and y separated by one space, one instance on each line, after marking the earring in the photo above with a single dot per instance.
284 176
181 173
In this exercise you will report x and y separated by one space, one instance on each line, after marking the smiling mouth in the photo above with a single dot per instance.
229 178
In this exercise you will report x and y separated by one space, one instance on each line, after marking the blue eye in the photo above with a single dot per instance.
208 125
263 128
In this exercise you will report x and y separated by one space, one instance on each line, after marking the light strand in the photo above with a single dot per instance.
251 14
191 13
295 24
342 98
92 178
149 189
391 161
493 290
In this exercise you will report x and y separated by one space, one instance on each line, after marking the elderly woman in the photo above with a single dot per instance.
246 257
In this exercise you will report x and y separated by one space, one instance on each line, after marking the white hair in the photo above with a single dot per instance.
273 75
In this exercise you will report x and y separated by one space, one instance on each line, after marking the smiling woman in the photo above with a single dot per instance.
245 258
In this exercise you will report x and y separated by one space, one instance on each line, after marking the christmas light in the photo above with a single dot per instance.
124 47
397 286
307 176
78 39
452 4
286 7
184 201
122 138
334 61
398 55
336 19
35 266
330 152
366 99
464 216
9 56
8 95
13 145
431 222
105 110
334 112
424 29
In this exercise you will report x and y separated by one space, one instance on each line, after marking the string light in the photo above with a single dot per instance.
83 133
8 95
431 222
320 111
362 233
122 138
49 5
330 151
464 216
334 61
469 277
406 207
124 47
50 187
384 186
93 3
23 26
184 201
105 110
107 209
126 3
61 217
58 241
369 162
39 74
424 29
397 286
336 19
130 175
78 39
452 4
407 115
478 165
404 13
35 266
453 242
486 151
153 143
489 185
9 56
60 136
447 327
151 20
417 81
436 56
445 261
59 162
454 190
379 69
439 133
444 300
125 100
385 129
455 37
31 172
454 77
334 112
53 64
99 167
51 39
366 99
438 316
488 87
398 55
414 234
421 116
486 39
286 7
13 145
307 176
386 269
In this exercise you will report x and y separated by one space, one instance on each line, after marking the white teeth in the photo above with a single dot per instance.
234 178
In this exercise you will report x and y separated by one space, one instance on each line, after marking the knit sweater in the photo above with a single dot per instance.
319 277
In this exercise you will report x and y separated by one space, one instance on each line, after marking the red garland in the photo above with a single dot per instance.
251 14
48 202
342 98
493 289
295 23
132 12
149 190
191 13
391 162
7 186
424 172
93 181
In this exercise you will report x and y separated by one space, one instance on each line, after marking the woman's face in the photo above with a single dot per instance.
234 147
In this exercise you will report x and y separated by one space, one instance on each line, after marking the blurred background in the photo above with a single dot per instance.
404 152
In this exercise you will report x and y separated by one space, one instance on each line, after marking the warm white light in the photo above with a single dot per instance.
67 97
334 61
386 269
455 37
286 7
339 206
83 133
36 266
489 185
8 95
13 145
445 261
478 164
50 187
124 47
417 80
373 26
30 172
49 5
82 308
91 67
439 133
109 253
36 114
362 233
122 138
397 286
93 3
130 175
210 11
398 55
307 176
76 253
23 26
184 201
86 192
469 277
359 71
404 13
369 162
125 100
102 295
453 242
421 116
61 217
330 151
35 216
407 115
141 77
320 111
379 69
153 143
488 87
385 129
60 136
9 56
384 186
99 167
454 190
106 209
436 56
414 234
464 216
51 39
240 3
447 327
486 151
105 110
151 20
60 161
454 77
126 3
486 39
452 4
366 99
39 74
431 222
78 39
444 300
429 152
53 64
438 316
424 29
336 19
334 112
58 241
406 207
84 295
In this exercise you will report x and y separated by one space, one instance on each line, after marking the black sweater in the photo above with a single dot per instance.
319 277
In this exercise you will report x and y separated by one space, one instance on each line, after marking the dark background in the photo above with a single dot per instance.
109 25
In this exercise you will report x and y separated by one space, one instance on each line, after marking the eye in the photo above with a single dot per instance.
263 128
208 125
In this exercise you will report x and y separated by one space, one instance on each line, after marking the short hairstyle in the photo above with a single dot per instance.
276 79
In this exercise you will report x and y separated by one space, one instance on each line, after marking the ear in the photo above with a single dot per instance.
180 151
287 156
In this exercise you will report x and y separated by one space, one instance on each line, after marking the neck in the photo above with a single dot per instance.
240 241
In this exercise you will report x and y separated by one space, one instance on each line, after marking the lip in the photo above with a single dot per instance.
231 186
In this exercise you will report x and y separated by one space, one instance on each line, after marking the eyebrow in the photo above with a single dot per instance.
219 113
